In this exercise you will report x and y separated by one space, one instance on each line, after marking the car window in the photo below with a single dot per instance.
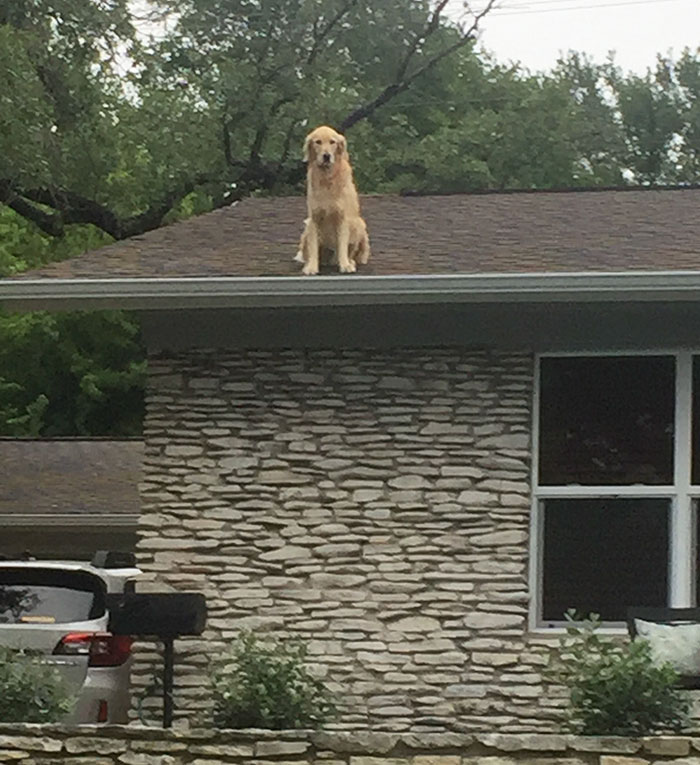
48 596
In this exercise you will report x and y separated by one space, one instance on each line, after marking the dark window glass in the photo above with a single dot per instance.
45 596
696 549
604 555
695 475
607 420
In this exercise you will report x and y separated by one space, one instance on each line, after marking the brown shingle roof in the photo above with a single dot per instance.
480 233
70 476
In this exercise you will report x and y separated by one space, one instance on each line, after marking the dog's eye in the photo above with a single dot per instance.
332 142
318 142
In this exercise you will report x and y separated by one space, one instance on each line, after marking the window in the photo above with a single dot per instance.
49 596
601 555
607 421
616 484
696 423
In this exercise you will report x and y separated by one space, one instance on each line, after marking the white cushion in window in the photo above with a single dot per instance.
677 644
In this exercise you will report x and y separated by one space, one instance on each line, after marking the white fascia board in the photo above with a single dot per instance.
233 292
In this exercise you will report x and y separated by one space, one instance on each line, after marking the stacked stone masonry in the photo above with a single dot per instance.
93 745
375 504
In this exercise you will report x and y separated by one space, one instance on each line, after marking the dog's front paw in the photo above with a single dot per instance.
348 268
309 269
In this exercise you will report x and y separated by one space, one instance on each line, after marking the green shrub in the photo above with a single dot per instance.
617 690
31 691
267 685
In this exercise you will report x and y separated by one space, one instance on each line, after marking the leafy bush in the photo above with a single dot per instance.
617 690
267 685
30 691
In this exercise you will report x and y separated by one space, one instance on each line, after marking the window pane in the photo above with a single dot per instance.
50 595
607 420
695 533
604 555
696 421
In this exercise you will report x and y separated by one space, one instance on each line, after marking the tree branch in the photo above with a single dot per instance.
49 223
319 37
430 27
286 146
153 216
263 128
75 208
257 172
70 207
401 81
226 137
467 37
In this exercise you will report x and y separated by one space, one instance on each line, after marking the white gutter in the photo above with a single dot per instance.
231 292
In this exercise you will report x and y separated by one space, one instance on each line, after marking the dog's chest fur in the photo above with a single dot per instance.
326 220
332 194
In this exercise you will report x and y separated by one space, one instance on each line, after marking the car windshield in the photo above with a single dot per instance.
49 596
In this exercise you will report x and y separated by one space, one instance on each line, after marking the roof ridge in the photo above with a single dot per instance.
553 190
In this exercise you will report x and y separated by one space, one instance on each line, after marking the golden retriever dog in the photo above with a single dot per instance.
334 222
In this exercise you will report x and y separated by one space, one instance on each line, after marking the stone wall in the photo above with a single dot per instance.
374 503
94 745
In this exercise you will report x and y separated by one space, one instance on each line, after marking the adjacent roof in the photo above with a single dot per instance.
554 232
70 477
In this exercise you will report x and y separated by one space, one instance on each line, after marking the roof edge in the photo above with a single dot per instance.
50 520
169 293
418 192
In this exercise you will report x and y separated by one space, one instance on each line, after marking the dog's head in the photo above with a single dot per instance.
324 146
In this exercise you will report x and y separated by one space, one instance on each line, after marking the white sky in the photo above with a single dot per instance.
535 32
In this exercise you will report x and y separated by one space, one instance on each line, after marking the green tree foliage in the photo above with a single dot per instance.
70 374
471 125
651 122
596 135
642 128
687 76
66 373
24 246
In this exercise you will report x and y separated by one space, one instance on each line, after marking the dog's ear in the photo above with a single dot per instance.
342 145
307 148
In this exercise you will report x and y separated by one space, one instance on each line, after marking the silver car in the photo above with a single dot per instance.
58 608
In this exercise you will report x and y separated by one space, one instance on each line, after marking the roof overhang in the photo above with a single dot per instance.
168 293
78 520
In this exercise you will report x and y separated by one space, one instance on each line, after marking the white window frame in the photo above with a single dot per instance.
682 493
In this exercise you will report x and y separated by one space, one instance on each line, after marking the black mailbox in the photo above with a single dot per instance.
165 615
161 614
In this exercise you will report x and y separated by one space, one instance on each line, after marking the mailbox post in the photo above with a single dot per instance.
164 615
